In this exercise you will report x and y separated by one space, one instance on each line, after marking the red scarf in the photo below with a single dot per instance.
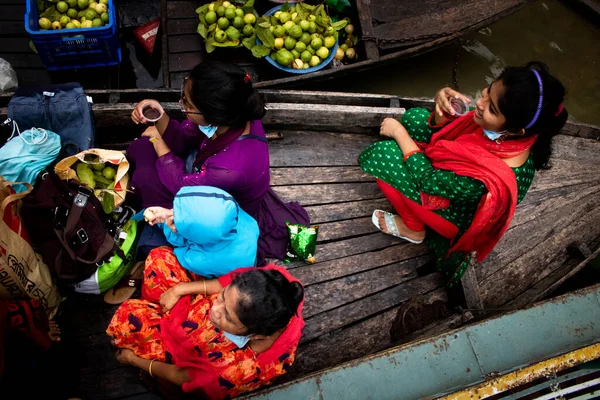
462 147
204 374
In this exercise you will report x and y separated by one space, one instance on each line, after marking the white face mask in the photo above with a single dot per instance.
208 130
239 341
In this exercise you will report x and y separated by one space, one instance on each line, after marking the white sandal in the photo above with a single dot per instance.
390 223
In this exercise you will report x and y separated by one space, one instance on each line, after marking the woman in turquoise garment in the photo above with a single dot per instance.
457 181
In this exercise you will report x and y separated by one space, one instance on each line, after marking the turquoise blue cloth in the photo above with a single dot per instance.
214 235
24 156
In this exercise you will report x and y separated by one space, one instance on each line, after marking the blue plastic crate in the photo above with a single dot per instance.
75 48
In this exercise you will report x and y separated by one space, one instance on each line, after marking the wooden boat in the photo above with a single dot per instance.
390 30
362 276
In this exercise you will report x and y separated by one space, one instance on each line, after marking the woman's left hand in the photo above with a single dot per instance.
390 127
151 132
125 356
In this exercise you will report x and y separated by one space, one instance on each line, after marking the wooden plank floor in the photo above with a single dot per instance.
352 291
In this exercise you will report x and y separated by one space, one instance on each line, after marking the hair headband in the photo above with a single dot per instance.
539 107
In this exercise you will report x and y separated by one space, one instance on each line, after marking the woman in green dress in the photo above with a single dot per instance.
457 180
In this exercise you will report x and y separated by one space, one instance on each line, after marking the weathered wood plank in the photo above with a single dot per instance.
322 118
164 42
112 384
393 295
329 192
15 45
328 295
12 12
366 337
12 28
553 281
305 175
186 43
531 267
368 33
443 21
365 256
575 149
181 27
182 62
333 98
182 9
542 226
341 211
344 229
23 60
308 149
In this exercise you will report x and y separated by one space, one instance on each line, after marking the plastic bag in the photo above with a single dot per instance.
8 76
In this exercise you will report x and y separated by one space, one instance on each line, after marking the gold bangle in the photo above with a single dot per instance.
154 139
204 288
150 368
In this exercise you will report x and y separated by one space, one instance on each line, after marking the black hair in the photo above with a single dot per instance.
519 103
267 301
224 93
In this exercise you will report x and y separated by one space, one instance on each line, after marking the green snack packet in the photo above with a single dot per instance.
302 243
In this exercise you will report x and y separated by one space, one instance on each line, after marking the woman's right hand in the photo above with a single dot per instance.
157 215
136 115
169 298
442 101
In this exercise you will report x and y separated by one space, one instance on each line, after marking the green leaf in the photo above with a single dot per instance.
249 42
248 7
212 28
265 36
229 43
202 9
306 7
274 20
285 7
51 13
202 30
261 51
210 44
340 24
265 24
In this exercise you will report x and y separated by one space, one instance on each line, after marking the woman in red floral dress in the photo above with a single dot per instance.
218 337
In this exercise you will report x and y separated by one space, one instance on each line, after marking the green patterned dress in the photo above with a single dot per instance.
384 160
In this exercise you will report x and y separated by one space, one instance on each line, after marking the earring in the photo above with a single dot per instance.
500 140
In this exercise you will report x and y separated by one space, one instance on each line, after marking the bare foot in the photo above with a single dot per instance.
402 228
53 331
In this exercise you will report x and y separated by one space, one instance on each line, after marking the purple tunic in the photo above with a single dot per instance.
242 169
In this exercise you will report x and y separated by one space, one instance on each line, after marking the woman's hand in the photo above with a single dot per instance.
158 215
442 101
169 298
136 115
390 127
151 132
125 356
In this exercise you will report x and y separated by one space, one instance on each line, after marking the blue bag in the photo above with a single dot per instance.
64 109
27 153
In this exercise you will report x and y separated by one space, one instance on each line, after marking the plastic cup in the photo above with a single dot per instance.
152 112
460 106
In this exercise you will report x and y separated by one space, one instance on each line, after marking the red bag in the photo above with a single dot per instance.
146 35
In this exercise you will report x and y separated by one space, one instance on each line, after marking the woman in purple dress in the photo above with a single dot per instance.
222 143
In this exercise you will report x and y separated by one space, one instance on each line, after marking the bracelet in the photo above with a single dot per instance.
150 368
154 139
204 287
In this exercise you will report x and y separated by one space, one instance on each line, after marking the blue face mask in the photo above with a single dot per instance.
239 341
208 130
492 135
